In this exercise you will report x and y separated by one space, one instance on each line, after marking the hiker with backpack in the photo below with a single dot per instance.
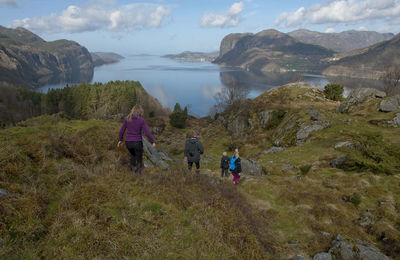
134 124
193 149
224 165
235 167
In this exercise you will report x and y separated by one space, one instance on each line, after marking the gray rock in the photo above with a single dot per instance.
346 144
274 149
305 131
338 162
322 256
206 159
396 120
3 193
157 130
356 97
147 164
299 257
315 115
287 167
265 117
285 133
293 241
250 123
152 155
354 249
390 105
366 219
250 167
165 156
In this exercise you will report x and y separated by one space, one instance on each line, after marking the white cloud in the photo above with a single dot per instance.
99 15
342 11
229 18
209 92
362 28
330 30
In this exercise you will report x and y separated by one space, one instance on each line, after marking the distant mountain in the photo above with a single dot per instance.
343 41
368 62
193 56
28 60
101 58
271 50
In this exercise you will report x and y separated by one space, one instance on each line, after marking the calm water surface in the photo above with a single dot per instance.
190 83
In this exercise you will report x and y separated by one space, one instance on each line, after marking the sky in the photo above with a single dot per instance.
172 26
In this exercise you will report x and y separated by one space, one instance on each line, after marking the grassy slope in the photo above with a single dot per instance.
74 196
303 207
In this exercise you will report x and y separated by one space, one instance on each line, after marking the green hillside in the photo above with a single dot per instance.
69 193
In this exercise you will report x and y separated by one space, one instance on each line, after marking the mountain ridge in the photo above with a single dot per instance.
343 41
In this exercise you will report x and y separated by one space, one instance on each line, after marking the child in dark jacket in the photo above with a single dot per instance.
235 167
224 165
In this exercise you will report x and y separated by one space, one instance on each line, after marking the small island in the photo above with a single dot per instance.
193 56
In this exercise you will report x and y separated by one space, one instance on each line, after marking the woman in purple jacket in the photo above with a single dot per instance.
134 124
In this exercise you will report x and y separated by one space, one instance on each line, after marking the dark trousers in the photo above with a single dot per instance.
136 150
190 164
224 172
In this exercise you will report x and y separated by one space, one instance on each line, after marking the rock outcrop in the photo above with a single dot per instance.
27 60
154 156
358 96
250 167
390 105
347 249
292 132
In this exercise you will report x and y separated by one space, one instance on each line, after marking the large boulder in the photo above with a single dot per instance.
274 149
390 105
396 120
338 162
356 97
322 256
305 130
250 167
153 155
315 115
347 249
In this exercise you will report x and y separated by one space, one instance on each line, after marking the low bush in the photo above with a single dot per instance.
374 154
334 92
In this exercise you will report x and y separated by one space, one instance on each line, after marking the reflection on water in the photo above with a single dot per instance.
196 84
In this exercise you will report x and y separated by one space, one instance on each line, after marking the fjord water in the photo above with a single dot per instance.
188 83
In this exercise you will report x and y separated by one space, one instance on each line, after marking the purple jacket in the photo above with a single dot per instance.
134 130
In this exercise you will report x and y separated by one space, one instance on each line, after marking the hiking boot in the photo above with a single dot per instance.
133 169
198 171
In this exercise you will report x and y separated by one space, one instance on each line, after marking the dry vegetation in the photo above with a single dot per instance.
71 195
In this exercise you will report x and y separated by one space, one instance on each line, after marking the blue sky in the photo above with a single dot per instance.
172 26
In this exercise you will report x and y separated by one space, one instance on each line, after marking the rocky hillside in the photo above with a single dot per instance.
27 60
343 41
320 180
366 63
101 58
270 50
